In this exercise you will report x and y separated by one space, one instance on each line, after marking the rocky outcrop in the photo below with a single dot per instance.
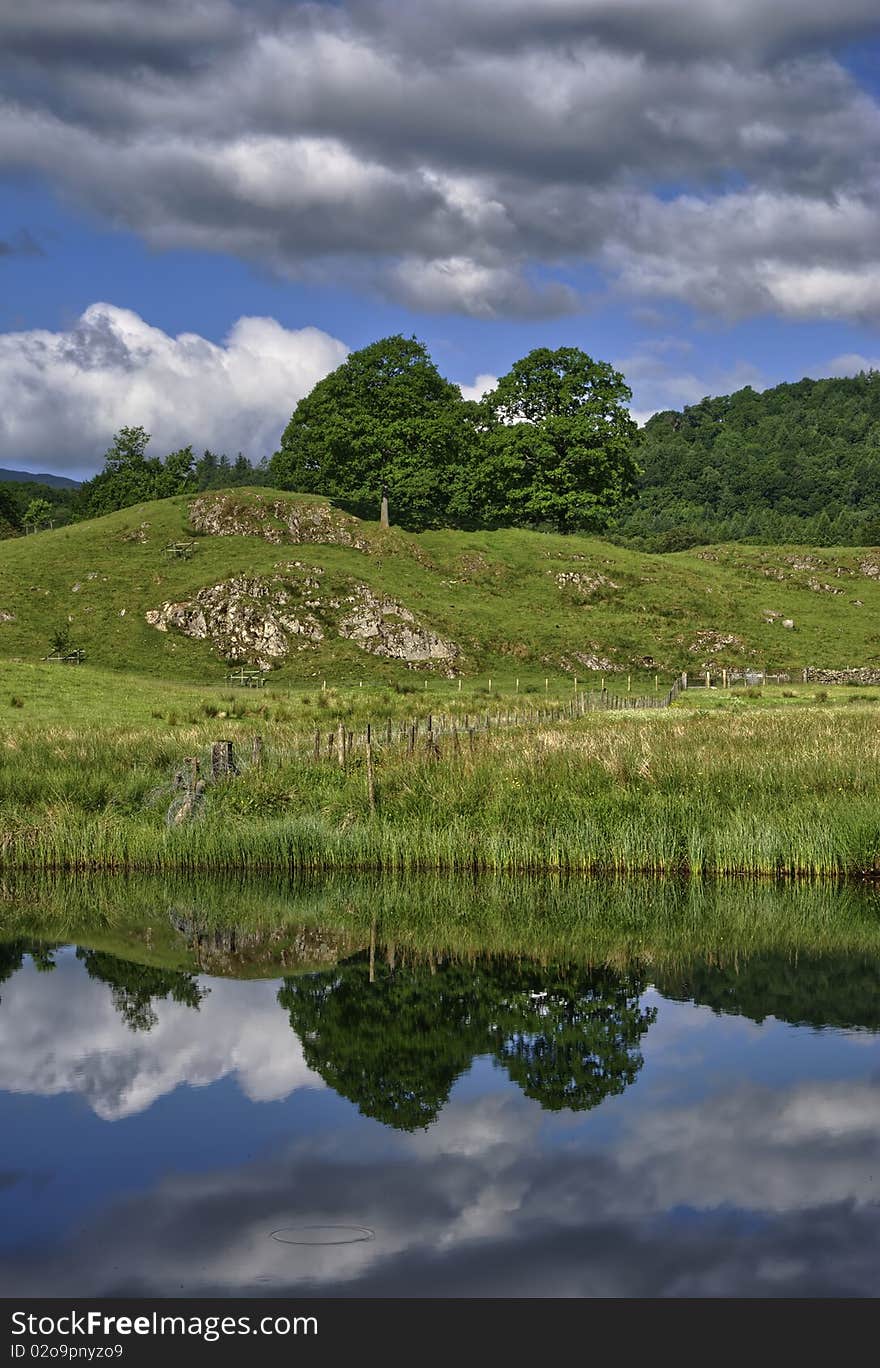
275 520
591 661
247 619
6 617
863 674
710 643
583 582
260 620
385 627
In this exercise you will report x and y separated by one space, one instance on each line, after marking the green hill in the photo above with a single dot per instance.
292 583
799 462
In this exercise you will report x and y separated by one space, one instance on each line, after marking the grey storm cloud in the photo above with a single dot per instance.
453 157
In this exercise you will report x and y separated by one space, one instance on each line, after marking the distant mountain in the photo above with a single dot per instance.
28 477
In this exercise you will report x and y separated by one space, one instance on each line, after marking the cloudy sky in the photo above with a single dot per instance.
205 202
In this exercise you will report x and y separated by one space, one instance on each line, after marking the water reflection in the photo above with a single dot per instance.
393 1039
807 990
653 1106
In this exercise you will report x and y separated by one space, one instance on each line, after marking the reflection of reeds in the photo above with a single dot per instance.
267 927
766 792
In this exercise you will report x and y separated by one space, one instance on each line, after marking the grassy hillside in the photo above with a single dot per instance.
513 602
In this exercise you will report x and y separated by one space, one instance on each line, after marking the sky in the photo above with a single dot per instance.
204 204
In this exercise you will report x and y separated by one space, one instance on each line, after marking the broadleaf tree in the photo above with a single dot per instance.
385 417
558 444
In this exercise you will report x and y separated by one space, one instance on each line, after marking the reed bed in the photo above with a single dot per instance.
684 792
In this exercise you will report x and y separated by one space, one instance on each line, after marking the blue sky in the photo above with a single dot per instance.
691 193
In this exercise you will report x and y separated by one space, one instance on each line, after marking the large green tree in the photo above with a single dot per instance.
557 445
385 417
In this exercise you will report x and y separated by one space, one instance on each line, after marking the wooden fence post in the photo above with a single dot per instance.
371 785
222 759
340 745
257 751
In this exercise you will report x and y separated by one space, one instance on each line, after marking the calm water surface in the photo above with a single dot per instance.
694 1124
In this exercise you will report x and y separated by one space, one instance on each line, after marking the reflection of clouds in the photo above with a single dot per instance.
60 1033
757 1193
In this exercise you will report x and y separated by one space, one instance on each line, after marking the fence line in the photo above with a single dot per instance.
424 734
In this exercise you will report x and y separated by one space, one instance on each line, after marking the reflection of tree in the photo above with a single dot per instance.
394 1046
809 990
568 1036
12 955
136 986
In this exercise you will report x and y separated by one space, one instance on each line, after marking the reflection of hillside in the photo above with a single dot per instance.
233 951
394 1040
809 990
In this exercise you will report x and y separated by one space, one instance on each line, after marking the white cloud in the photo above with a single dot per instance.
70 1038
851 363
659 383
64 394
483 384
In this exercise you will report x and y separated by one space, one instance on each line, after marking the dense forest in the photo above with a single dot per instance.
798 463
550 447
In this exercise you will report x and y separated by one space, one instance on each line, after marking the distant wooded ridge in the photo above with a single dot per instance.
44 478
798 463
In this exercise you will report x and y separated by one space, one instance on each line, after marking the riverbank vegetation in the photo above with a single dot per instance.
778 791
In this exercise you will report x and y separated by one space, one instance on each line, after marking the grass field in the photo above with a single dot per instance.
779 780
750 786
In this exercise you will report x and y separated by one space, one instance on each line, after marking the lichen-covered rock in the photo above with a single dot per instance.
260 620
802 562
710 643
385 627
583 582
592 660
247 618
275 520
6 617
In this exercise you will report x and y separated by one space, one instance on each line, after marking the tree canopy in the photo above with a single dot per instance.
385 417
558 444
796 463
551 446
